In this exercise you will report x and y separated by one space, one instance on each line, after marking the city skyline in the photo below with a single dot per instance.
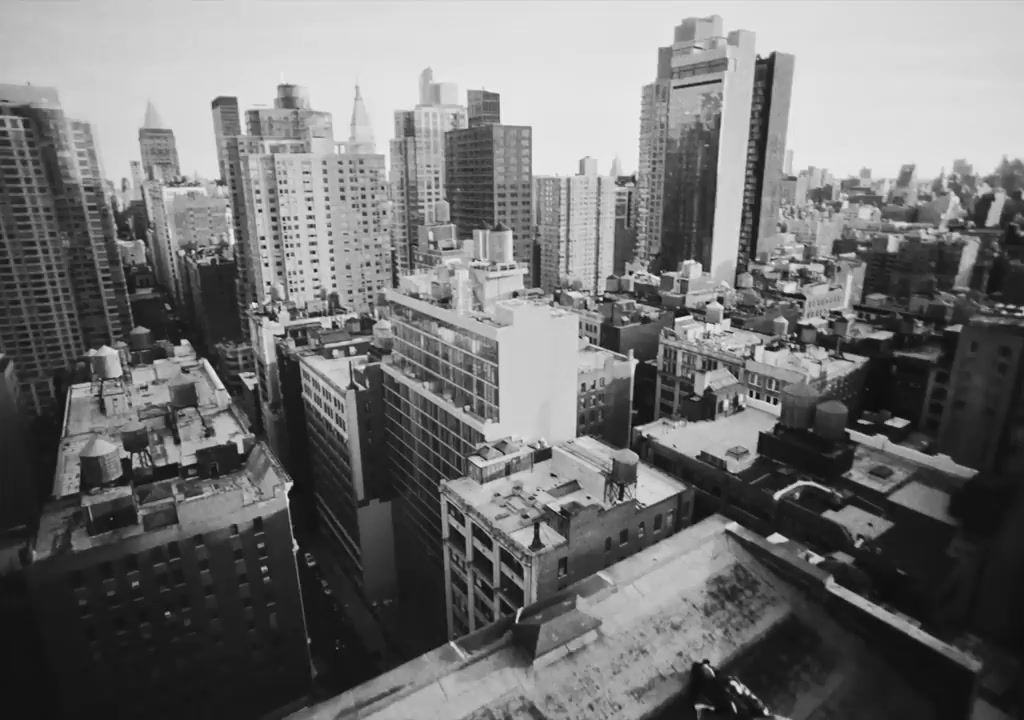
904 113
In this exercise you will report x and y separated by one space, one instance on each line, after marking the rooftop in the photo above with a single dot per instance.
713 591
142 396
721 438
593 357
574 478
66 525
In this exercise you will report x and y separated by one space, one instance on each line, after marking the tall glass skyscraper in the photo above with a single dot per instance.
697 153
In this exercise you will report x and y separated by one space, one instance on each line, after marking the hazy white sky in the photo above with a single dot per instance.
877 84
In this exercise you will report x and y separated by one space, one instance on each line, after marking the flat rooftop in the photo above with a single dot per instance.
96 409
574 477
335 370
709 592
717 438
593 357
64 524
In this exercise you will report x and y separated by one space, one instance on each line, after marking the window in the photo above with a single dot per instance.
607 544
641 531
257 524
669 518
173 551
624 536
563 567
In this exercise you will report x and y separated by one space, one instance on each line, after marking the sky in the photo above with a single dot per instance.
877 84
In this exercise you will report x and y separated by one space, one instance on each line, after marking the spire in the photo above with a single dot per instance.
360 132
152 121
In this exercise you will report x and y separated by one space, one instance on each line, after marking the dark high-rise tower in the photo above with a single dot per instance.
62 289
488 179
484 107
158 148
766 151
227 122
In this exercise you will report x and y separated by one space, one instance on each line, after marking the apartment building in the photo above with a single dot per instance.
63 286
575 220
604 404
163 572
527 522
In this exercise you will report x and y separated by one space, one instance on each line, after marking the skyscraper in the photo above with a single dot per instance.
575 220
464 370
312 215
695 128
588 166
159 150
488 170
418 162
766 153
182 216
227 122
62 288
484 107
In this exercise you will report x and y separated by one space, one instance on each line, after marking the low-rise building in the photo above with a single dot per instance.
622 644
860 499
163 572
693 348
526 523
605 401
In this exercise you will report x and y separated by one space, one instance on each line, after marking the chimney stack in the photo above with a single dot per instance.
536 544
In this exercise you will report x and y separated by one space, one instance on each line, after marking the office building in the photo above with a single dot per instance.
418 174
183 215
488 176
575 220
163 572
316 218
209 278
625 225
518 528
588 166
622 644
983 424
766 153
158 148
227 122
62 287
694 133
483 108
605 400
343 398
465 369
